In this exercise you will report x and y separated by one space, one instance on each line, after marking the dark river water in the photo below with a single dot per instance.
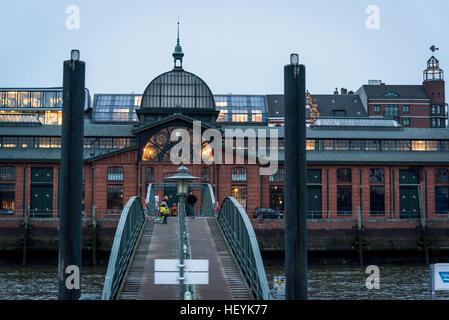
325 282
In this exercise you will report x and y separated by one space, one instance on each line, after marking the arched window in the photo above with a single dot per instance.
159 145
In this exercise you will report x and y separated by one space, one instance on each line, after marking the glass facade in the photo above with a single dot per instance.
376 145
45 104
115 108
241 108
55 142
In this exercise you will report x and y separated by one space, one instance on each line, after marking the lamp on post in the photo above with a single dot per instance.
182 177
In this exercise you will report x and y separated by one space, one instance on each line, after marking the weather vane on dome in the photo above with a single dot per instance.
433 48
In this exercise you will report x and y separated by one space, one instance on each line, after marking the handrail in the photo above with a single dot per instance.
150 201
126 235
240 235
207 201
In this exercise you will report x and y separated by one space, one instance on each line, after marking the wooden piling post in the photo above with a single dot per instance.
26 225
360 235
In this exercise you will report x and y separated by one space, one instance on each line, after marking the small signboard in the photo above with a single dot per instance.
166 271
439 278
279 287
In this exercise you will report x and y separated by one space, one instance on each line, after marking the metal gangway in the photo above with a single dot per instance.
225 238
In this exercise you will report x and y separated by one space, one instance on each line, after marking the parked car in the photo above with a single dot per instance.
267 213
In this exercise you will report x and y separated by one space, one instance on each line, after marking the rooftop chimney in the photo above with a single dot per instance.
374 82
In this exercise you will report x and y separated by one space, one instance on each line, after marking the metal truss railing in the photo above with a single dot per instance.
129 227
240 235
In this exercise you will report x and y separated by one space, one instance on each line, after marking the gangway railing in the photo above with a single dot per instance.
128 230
241 238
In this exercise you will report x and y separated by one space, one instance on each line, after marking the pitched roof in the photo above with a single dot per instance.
328 104
403 91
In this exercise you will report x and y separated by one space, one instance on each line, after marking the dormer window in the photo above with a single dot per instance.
391 94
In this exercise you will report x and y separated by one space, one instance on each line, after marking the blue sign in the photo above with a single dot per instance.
444 277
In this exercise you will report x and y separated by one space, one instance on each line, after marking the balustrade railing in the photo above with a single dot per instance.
240 235
129 227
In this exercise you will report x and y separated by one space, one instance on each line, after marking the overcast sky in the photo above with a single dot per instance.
236 46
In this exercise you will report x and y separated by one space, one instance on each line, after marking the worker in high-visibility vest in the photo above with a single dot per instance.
164 209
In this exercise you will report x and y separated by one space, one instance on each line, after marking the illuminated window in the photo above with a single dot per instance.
418 145
7 198
221 103
9 142
256 116
24 100
43 142
137 101
310 144
55 142
240 117
239 193
11 99
36 99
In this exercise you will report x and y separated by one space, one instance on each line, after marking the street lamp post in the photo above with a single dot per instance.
182 177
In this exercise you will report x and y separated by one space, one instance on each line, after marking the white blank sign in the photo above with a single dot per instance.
172 265
189 278
166 271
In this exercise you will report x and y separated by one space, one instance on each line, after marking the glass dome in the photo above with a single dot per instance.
178 89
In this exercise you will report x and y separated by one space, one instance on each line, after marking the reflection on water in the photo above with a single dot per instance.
348 283
325 282
41 282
